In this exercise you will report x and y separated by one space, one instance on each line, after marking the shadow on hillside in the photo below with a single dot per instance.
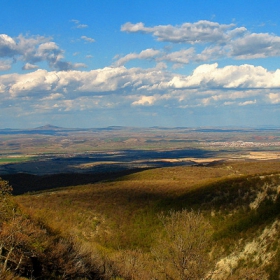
23 183
102 162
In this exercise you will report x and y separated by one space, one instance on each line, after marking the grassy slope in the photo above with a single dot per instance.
122 214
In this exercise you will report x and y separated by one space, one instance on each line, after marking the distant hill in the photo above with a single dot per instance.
49 127
46 129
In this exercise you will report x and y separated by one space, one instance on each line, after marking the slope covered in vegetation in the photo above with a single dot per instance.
212 222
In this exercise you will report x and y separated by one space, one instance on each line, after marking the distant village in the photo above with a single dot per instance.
242 144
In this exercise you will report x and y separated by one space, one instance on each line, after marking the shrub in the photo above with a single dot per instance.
181 249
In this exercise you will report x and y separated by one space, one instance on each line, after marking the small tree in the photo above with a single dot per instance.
5 213
5 205
181 250
5 188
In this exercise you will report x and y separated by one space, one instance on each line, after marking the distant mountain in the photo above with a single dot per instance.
49 127
46 129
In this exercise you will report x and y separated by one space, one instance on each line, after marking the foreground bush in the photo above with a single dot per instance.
30 250
181 250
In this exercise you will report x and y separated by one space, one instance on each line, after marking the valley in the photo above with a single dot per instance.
132 203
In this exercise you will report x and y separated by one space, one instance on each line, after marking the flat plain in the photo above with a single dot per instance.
49 149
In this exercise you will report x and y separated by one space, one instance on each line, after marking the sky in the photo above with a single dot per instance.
183 63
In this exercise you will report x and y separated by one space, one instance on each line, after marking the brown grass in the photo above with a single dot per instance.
112 217
114 208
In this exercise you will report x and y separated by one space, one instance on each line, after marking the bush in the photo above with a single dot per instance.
181 249
30 250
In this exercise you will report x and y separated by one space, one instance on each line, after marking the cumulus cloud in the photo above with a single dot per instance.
192 33
144 101
88 39
53 96
55 90
38 82
180 57
72 84
243 76
32 50
208 85
8 47
132 89
29 66
255 46
60 104
274 98
218 41
249 102
145 54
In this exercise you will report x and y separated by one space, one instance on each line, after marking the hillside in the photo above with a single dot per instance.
123 228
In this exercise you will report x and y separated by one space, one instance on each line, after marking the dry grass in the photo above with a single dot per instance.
121 206
116 217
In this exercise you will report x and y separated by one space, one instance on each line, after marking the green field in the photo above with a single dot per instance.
5 160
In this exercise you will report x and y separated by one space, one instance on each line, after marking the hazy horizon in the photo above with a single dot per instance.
50 126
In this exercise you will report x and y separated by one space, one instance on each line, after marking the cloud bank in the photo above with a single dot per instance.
217 41
208 85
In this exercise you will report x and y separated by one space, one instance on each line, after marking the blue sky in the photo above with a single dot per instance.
139 63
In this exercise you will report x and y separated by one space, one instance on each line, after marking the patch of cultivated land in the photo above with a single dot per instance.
116 222
50 150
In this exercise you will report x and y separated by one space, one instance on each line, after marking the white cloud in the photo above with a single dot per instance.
54 96
179 57
208 85
32 50
94 82
145 54
112 79
274 98
192 33
5 65
8 47
249 102
211 53
58 103
88 39
229 77
161 66
218 41
29 66
145 101
37 82
79 65
138 27
255 46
